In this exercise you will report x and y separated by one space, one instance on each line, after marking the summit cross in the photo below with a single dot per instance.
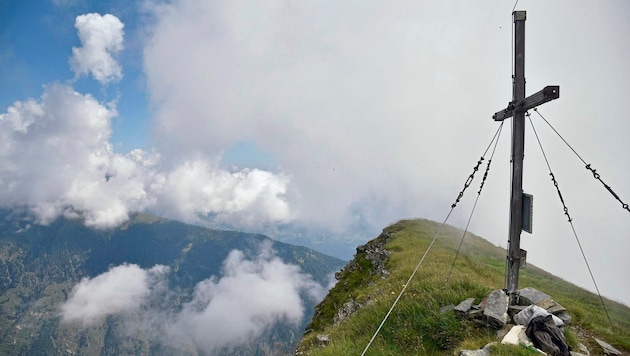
516 109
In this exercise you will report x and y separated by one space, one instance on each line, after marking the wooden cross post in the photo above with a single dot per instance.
516 109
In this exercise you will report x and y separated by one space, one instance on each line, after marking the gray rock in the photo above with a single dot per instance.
481 352
607 348
465 306
346 311
583 349
528 296
474 313
376 253
515 309
565 317
323 339
496 309
552 306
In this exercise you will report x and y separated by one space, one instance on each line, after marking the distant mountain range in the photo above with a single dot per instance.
152 286
337 243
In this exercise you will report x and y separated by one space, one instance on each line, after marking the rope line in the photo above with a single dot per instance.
483 181
566 212
588 166
407 284
437 234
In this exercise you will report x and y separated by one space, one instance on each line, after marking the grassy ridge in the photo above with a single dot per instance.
416 325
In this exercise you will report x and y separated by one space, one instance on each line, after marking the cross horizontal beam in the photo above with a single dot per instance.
549 93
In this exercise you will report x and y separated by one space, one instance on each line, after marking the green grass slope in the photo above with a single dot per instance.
416 326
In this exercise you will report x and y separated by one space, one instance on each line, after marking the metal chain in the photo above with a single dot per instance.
598 177
564 206
588 165
472 175
468 182
566 212
485 176
435 237
483 181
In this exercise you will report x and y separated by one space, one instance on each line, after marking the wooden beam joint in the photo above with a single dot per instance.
549 93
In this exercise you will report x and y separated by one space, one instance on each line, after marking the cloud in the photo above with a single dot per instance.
379 111
250 297
199 187
56 159
123 289
101 37
373 113
331 90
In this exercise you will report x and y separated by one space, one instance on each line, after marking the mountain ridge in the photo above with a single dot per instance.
348 316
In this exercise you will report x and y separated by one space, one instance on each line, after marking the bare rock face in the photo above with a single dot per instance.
376 253
373 251
346 311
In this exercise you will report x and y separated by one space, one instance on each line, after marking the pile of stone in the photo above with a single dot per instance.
497 312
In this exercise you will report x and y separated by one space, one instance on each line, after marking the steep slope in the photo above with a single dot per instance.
40 266
347 318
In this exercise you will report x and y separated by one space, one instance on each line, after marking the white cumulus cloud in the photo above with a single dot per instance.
250 297
120 290
198 186
101 38
56 158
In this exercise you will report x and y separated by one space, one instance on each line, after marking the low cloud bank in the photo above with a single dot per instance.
120 290
250 297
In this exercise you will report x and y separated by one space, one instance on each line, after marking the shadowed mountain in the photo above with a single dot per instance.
40 267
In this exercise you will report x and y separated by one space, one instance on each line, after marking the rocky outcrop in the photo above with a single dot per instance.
375 252
345 311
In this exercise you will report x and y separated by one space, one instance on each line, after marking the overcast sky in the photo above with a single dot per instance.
331 114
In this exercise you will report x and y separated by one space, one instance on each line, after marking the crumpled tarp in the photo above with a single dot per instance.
526 315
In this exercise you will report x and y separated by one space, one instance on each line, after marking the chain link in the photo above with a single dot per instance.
485 175
564 206
468 182
598 177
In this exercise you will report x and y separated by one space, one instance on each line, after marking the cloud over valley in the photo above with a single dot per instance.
251 296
